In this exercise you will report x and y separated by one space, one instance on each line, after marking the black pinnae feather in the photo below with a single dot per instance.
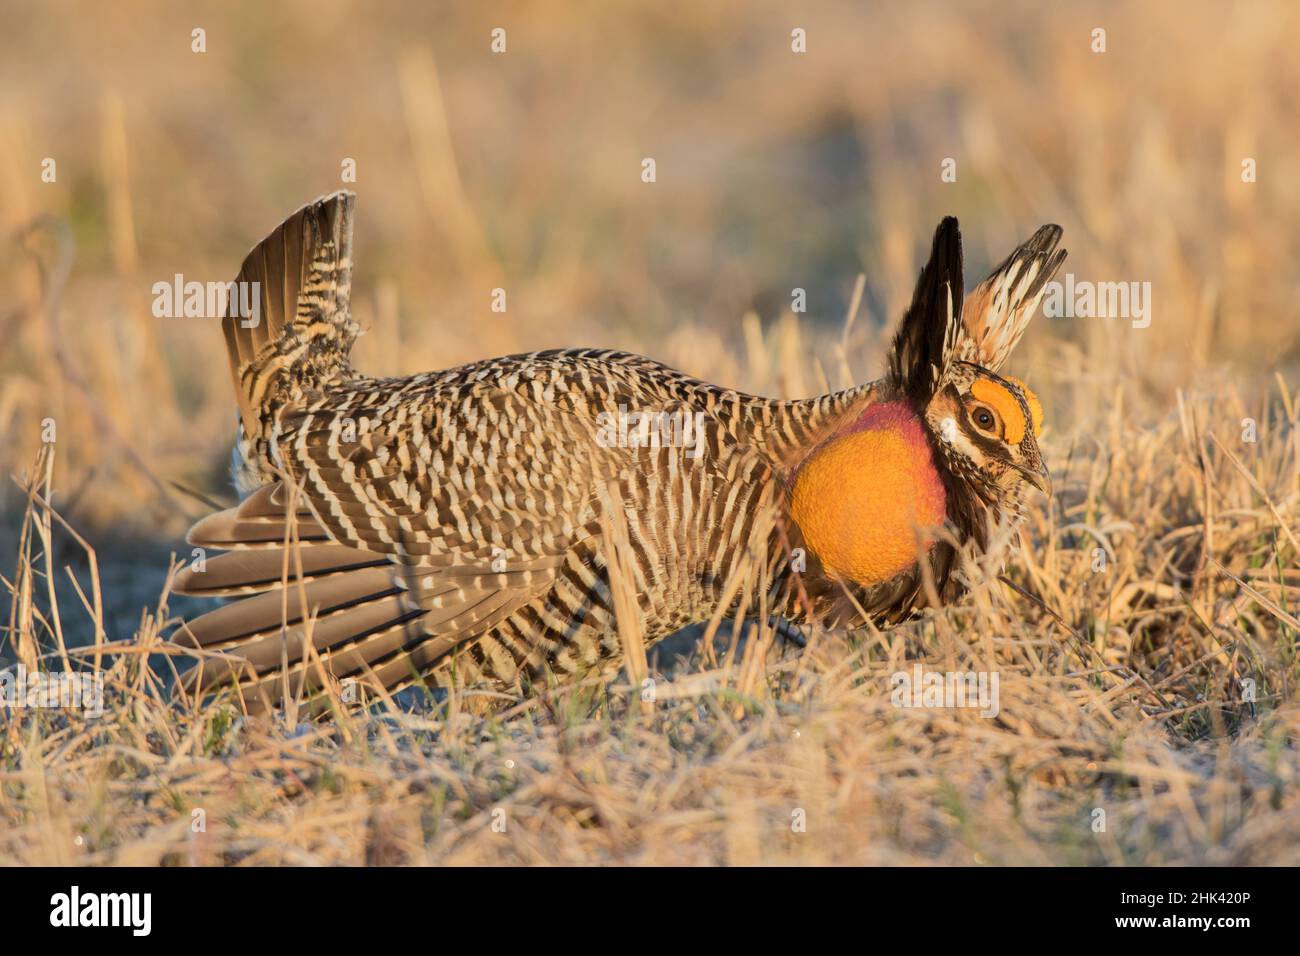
927 335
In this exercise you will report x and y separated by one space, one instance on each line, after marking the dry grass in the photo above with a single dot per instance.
1121 688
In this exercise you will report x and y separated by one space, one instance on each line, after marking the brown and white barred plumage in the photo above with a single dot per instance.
452 526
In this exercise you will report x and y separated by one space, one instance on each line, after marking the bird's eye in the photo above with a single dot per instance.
984 418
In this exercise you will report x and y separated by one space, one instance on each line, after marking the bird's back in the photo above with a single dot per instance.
492 496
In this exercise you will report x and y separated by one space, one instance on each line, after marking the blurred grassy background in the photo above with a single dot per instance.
477 170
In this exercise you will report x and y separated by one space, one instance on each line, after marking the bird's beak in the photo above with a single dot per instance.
1039 477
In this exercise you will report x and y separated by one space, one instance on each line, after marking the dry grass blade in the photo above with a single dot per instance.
619 559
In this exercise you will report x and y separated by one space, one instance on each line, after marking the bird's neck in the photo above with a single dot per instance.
868 498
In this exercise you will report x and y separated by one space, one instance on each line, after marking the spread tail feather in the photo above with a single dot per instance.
299 331
316 611
311 612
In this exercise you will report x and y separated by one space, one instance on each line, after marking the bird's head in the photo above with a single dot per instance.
987 428
946 358
946 437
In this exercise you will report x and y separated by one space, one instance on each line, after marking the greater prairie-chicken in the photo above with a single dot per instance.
460 526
